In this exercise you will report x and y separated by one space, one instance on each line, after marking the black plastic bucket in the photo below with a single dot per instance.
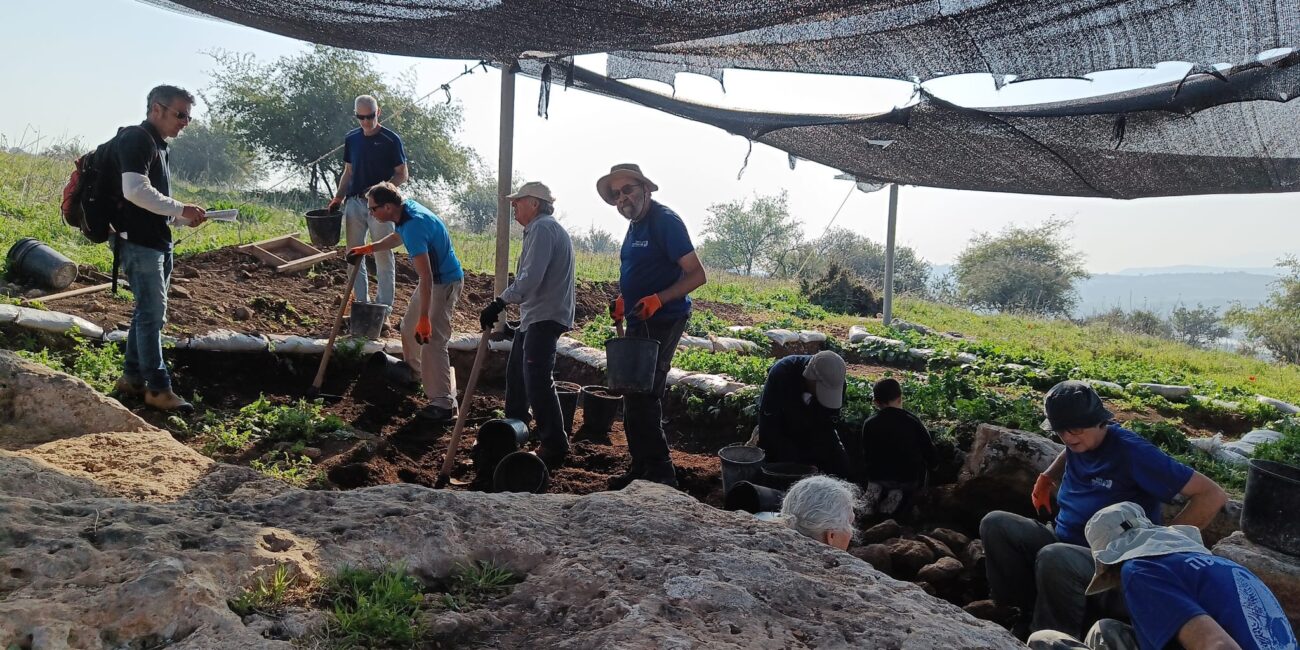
387 368
568 393
521 472
739 463
598 411
753 498
630 364
32 259
324 227
367 319
497 439
780 476
1268 514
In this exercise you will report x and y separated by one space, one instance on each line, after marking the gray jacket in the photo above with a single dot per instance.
543 286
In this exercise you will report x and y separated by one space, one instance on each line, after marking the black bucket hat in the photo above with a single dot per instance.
1073 405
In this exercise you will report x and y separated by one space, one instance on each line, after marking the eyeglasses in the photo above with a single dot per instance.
180 115
365 118
626 189
373 206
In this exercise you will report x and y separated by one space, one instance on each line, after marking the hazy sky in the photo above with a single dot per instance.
52 93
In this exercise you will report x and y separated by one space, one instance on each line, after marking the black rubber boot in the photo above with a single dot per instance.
625 479
661 472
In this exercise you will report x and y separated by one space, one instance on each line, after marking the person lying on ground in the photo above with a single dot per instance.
799 412
544 290
1043 570
658 269
1177 591
142 245
372 154
821 507
897 452
426 327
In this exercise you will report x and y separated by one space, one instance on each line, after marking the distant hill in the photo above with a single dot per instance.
1192 268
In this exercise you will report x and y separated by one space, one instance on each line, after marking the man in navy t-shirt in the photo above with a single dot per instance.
1044 570
658 269
1177 592
372 154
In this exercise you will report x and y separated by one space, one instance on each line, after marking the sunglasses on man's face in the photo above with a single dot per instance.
365 118
180 115
373 206
627 189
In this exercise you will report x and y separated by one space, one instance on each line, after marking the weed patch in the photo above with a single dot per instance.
473 584
290 466
374 609
267 597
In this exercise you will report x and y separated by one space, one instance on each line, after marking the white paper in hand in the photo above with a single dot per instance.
222 215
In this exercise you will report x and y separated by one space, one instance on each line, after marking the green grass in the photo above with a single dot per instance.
301 422
374 609
475 583
290 466
267 597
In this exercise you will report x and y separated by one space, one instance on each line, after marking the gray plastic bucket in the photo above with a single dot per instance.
32 259
630 364
367 319
740 463
521 472
568 393
324 227
1268 513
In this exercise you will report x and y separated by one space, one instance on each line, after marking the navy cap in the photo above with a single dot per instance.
1073 405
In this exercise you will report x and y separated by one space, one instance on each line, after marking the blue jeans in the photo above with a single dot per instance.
530 382
357 222
150 273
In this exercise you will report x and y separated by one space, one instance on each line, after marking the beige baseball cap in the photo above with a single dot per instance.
827 370
534 189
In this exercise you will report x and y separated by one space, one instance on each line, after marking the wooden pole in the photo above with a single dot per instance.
449 458
334 331
889 253
505 173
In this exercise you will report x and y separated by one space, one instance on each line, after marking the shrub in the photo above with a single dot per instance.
842 292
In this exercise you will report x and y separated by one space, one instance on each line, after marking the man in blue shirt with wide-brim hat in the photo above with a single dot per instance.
658 268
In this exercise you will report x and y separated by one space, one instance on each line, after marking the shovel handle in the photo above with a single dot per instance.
449 458
334 331
618 327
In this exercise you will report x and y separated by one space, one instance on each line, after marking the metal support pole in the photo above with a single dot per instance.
505 173
889 253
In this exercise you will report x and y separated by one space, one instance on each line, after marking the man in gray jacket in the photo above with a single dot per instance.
543 289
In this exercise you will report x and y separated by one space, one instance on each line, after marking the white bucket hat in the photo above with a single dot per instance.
1122 532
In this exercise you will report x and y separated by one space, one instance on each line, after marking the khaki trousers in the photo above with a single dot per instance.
431 361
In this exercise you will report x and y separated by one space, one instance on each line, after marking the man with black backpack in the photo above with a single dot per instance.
143 241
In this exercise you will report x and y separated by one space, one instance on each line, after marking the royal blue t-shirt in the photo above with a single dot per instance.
422 232
1165 592
1124 467
650 254
373 158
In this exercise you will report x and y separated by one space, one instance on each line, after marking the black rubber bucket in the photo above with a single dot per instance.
1269 514
521 472
367 319
753 498
497 439
387 368
780 476
740 463
599 409
324 227
568 393
32 259
630 364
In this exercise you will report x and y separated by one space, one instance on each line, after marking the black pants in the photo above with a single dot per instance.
530 382
643 413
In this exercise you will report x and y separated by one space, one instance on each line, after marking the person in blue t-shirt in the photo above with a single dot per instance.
1178 593
1043 570
426 327
658 269
371 154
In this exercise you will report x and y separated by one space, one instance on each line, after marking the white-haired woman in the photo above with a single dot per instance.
821 507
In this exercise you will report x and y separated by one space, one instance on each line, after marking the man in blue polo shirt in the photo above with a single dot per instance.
1044 570
426 327
658 269
371 154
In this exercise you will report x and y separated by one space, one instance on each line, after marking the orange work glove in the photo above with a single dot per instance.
1042 493
355 254
616 309
334 204
423 330
646 307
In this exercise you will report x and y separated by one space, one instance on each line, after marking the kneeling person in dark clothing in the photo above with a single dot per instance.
897 451
799 412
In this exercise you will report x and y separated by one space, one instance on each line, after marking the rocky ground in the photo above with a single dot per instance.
115 535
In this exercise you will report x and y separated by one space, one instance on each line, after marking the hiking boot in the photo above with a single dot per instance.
128 388
625 479
662 472
436 414
166 400
554 459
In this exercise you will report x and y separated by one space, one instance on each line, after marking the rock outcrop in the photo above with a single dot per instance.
1281 572
1001 468
126 539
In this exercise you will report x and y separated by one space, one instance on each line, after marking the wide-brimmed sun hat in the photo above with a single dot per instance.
1123 532
605 186
534 189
